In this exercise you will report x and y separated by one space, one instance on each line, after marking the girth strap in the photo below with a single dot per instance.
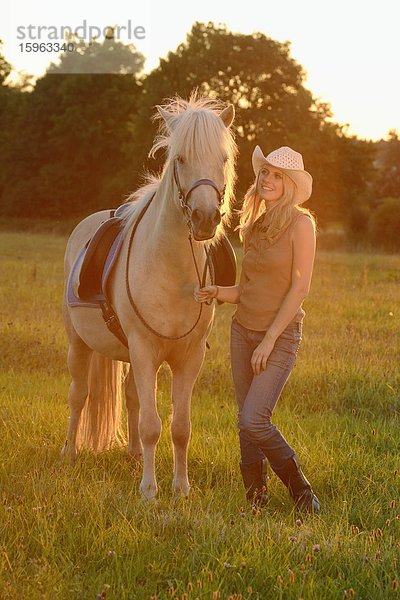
112 322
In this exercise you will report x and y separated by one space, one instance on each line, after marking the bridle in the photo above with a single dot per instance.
183 198
187 210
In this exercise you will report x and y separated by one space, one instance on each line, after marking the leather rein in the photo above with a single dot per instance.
183 198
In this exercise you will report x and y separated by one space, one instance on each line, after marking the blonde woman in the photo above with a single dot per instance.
279 247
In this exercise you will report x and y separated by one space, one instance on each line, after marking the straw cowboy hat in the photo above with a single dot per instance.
290 162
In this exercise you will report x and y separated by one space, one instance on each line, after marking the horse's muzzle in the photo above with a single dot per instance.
204 225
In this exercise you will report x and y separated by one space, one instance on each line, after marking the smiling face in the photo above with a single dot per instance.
270 184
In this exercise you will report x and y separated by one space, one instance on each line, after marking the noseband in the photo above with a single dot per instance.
184 198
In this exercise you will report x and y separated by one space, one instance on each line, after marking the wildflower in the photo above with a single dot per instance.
355 529
292 538
292 576
227 565
316 547
308 558
395 584
243 564
350 593
279 581
200 584
111 553
298 522
393 504
210 576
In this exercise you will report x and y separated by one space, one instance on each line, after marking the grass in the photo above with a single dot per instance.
83 532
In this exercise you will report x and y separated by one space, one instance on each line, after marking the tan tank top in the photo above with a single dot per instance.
266 277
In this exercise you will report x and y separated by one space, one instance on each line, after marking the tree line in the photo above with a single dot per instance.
78 141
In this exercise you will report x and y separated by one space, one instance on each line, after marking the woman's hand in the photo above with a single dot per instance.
206 293
261 355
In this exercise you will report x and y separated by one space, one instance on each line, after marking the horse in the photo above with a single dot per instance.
168 224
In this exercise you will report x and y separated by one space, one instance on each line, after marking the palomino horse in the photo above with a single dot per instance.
151 291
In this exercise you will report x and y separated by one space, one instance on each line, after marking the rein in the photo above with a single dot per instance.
201 280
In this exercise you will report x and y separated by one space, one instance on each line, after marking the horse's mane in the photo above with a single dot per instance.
194 129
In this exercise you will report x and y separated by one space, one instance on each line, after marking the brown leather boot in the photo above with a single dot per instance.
299 487
255 482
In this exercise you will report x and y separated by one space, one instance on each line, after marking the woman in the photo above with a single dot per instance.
279 249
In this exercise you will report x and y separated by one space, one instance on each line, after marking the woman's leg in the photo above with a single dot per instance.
242 348
255 418
263 393
253 464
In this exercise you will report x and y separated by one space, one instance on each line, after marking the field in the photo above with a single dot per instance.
82 532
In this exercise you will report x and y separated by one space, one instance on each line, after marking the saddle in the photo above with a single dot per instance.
87 284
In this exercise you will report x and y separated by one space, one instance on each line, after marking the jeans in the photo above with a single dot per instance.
257 395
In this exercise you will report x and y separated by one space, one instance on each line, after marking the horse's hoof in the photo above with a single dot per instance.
180 491
68 455
148 492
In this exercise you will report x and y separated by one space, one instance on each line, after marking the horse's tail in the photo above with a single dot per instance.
100 426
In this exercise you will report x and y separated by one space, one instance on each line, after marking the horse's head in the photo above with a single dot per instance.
201 161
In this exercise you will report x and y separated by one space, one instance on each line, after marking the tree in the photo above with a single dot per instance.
388 164
110 56
273 108
5 67
10 108
69 159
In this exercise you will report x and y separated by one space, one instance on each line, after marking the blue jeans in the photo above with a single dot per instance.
257 395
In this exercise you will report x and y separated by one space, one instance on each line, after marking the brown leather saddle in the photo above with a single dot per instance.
87 285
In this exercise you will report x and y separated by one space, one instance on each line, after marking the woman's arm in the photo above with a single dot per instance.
303 261
230 294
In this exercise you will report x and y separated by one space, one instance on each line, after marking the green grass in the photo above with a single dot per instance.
78 532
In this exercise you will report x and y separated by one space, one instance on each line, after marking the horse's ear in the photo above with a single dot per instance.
227 115
165 115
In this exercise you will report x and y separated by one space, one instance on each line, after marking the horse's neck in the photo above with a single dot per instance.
168 241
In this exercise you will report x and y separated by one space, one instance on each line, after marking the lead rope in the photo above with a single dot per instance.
128 290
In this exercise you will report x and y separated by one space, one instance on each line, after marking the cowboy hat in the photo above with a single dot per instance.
290 162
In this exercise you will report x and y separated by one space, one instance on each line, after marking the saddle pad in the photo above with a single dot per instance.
92 268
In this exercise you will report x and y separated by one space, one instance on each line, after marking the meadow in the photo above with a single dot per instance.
82 532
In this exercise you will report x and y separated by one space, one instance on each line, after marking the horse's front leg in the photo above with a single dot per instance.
183 379
145 373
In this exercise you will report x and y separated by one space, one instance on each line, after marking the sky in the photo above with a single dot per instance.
349 49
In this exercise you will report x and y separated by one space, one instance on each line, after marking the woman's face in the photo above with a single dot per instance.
270 184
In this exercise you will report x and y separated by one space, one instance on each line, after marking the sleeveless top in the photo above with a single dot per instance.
266 276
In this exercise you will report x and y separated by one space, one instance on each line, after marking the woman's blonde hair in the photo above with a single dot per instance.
277 217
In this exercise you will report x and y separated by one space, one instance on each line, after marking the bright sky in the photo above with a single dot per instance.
350 49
